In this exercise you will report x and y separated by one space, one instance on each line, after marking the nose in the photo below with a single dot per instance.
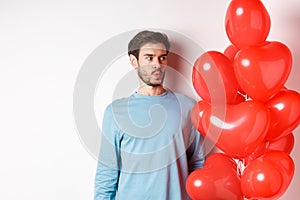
156 63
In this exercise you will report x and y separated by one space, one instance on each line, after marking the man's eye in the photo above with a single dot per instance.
162 58
149 58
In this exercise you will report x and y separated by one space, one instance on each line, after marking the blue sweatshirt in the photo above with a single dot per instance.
148 148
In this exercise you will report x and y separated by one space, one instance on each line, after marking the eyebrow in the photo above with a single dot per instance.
149 54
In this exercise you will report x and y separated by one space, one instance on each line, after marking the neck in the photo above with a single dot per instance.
151 90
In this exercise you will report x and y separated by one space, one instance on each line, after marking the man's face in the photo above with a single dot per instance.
152 63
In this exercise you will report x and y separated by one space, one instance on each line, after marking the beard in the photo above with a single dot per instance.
147 79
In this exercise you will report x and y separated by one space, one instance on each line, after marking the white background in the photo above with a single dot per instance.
42 47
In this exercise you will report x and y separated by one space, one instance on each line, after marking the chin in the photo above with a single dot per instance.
154 84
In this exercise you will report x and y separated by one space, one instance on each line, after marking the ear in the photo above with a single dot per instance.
133 61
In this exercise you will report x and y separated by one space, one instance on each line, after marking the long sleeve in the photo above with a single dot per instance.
107 173
196 151
105 183
146 153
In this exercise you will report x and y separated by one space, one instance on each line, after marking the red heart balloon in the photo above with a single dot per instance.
261 71
285 113
230 52
261 180
214 79
247 22
218 179
284 144
240 131
197 113
284 164
258 182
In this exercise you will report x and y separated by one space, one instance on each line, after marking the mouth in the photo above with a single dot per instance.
157 74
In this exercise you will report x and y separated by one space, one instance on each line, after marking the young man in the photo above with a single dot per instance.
149 145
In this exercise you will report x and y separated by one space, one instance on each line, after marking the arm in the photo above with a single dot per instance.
196 151
107 173
106 182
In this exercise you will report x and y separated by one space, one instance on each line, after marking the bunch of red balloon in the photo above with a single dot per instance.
246 111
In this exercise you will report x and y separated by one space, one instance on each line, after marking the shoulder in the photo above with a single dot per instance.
113 114
116 106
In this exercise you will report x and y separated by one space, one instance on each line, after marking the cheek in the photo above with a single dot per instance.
143 71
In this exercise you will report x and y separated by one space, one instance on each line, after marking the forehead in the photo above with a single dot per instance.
160 47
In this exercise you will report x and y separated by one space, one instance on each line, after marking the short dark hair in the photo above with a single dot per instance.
144 37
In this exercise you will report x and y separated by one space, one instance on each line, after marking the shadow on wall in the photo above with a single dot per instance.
181 58
179 79
291 33
292 39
